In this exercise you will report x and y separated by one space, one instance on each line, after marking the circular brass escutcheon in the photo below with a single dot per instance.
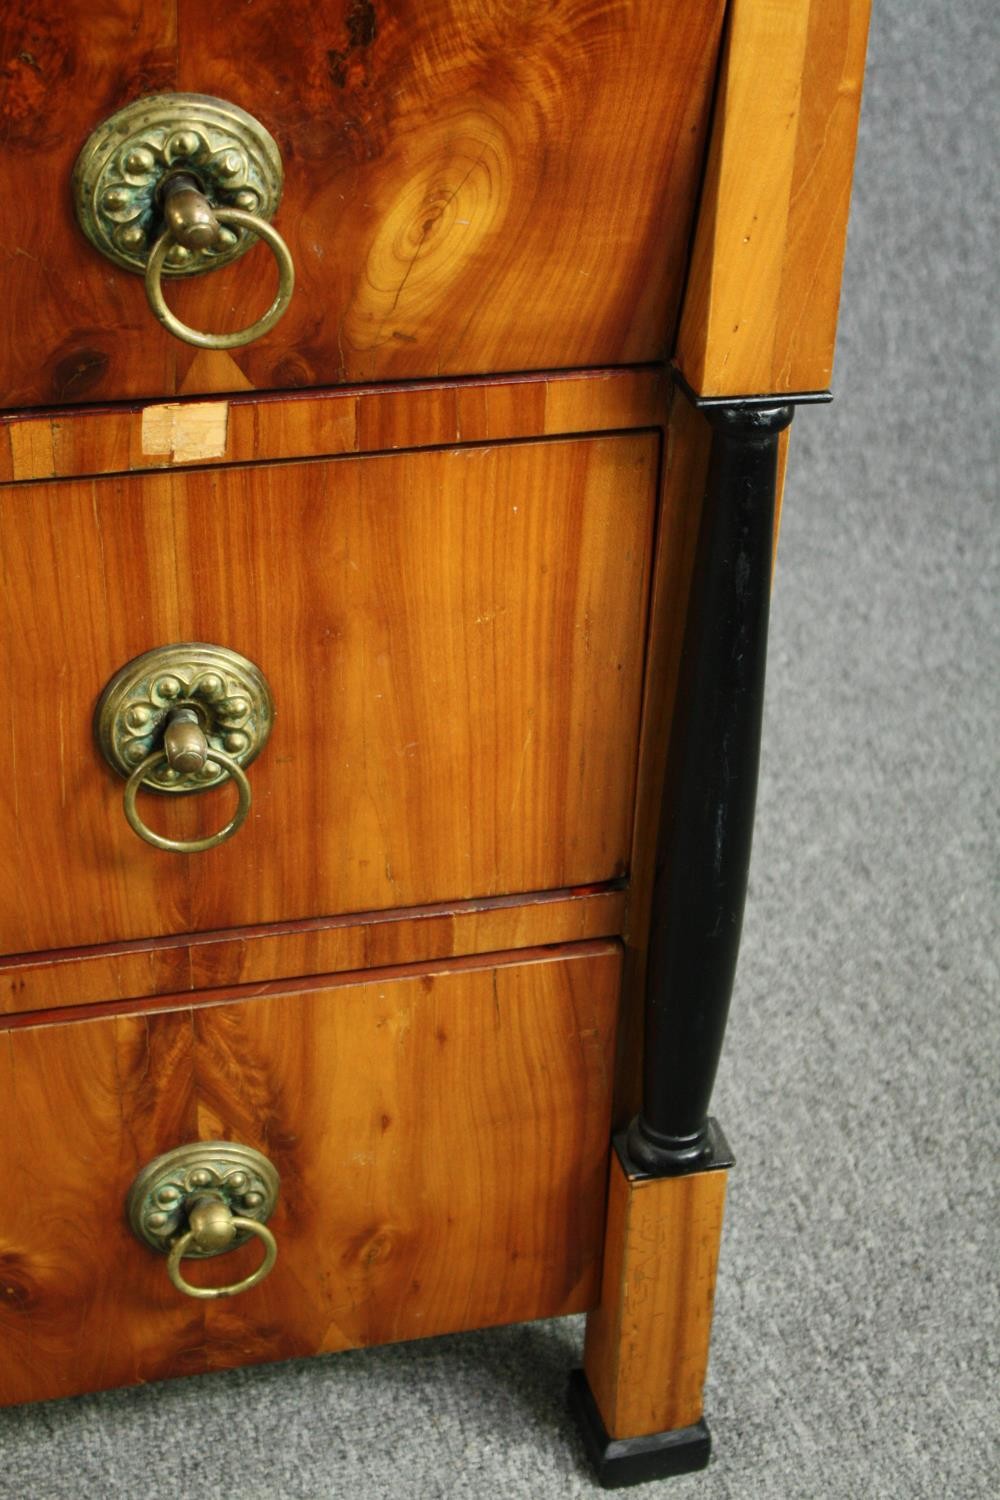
225 692
119 176
171 1188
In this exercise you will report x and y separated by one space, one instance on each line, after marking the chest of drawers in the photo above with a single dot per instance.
490 510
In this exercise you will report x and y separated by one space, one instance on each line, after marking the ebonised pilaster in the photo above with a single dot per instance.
704 840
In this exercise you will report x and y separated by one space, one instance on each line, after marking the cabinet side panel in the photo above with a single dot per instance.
760 311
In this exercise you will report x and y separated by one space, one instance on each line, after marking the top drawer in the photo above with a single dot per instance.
470 186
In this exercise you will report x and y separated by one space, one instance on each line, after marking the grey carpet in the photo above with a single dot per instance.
855 1344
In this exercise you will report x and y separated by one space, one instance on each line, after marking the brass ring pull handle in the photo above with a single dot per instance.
201 1200
183 719
177 184
186 846
223 217
205 1213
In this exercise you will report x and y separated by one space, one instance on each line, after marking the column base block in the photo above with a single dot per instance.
623 1461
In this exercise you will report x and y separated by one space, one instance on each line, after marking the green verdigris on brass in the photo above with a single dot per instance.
120 173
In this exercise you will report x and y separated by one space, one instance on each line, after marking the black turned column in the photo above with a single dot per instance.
706 827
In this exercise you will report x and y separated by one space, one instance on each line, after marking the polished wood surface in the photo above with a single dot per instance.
448 636
468 590
75 442
90 977
760 311
646 1346
405 1209
470 185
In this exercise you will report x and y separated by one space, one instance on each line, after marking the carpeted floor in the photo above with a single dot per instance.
855 1351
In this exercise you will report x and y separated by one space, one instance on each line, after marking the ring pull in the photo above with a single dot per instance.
177 184
201 1200
213 1228
183 719
161 758
194 224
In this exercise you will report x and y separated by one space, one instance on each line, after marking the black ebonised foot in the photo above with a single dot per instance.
622 1461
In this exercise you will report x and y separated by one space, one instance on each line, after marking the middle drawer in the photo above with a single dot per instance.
454 641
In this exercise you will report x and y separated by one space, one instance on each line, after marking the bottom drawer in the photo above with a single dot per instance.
441 1133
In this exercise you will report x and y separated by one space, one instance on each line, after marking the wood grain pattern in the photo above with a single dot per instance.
405 1210
74 443
646 1346
456 640
471 185
128 971
73 328
447 634
760 311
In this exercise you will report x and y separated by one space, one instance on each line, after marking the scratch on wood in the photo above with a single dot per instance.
99 536
521 769
62 751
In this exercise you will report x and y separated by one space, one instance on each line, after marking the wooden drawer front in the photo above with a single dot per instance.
454 640
441 1136
470 185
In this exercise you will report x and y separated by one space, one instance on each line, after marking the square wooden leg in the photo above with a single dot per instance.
639 1396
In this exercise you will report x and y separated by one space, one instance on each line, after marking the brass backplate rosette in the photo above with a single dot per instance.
228 693
119 173
241 1177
